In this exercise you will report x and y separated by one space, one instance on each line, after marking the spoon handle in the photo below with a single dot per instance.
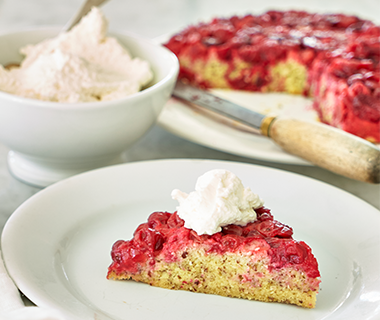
83 10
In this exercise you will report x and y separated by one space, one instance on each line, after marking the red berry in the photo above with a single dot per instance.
273 228
148 238
233 229
175 221
230 241
158 219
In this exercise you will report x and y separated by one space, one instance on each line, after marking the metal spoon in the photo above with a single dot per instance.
83 10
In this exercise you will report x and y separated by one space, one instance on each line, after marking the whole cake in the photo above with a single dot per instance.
221 240
333 58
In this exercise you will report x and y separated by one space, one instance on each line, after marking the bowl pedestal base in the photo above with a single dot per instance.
42 172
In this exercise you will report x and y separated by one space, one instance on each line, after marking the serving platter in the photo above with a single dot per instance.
194 125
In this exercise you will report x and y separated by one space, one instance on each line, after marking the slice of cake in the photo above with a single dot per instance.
226 243
333 58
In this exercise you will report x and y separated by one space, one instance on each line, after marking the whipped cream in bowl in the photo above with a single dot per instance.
101 110
219 199
82 65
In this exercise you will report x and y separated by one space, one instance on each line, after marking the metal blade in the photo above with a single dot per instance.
219 105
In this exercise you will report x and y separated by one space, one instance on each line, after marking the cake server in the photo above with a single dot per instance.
323 145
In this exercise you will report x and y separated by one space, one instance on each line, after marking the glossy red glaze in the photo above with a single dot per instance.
164 234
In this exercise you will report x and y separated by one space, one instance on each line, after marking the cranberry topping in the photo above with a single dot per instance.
330 31
165 233
286 251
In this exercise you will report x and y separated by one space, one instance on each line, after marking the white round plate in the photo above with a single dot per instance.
56 246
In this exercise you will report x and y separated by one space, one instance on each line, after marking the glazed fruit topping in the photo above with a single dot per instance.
165 232
290 28
348 45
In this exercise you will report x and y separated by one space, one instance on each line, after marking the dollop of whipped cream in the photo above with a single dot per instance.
82 65
219 199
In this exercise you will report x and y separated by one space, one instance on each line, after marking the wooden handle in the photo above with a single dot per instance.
327 147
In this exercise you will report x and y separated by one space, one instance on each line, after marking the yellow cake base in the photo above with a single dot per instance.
229 275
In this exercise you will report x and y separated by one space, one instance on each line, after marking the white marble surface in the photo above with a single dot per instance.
151 19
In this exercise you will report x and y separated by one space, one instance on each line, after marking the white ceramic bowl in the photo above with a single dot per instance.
50 141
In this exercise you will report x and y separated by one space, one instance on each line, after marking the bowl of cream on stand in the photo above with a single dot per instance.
78 99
